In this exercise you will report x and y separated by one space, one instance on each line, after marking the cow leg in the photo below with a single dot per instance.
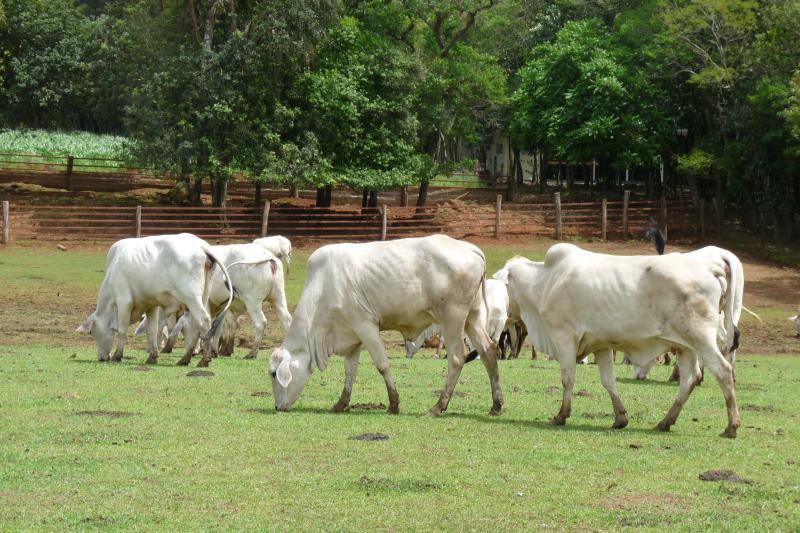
455 362
191 334
259 323
568 382
124 310
278 301
152 336
488 351
723 371
605 364
689 376
350 370
371 339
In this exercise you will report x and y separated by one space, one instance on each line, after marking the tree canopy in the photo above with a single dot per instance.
373 94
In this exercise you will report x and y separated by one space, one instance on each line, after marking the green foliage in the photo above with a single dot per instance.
579 101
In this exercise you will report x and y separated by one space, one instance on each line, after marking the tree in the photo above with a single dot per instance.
578 100
221 102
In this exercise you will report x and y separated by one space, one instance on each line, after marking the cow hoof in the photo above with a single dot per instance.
558 420
183 362
339 407
434 411
167 349
116 358
729 433
203 363
495 410
663 426
250 356
393 410
152 360
620 423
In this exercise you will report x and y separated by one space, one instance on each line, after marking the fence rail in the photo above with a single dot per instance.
604 219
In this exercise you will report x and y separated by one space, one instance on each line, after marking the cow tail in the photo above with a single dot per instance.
217 322
733 300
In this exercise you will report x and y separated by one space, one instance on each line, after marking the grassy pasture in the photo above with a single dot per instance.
92 446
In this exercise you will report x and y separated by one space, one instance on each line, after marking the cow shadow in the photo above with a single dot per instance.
634 381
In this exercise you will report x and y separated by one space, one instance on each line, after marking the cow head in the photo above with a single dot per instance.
102 329
796 320
289 375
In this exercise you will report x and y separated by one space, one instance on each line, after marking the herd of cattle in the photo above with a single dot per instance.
572 304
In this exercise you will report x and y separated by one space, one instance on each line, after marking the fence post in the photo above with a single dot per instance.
664 223
70 165
604 218
626 199
558 215
138 221
404 196
497 208
702 203
265 218
5 221
384 218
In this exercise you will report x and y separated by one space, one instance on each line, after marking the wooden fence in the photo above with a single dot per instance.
604 219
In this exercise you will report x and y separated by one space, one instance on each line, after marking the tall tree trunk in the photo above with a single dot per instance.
373 198
197 192
423 195
364 198
542 170
324 195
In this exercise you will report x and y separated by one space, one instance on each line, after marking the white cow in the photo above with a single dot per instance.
354 291
280 246
257 276
143 274
578 302
796 320
729 336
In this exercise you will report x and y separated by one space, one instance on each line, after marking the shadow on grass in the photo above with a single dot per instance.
539 424
634 381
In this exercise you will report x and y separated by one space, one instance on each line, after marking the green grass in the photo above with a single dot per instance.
210 453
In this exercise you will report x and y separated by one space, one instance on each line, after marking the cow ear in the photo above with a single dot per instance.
284 373
86 327
501 276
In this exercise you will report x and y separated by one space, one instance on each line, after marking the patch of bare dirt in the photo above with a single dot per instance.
757 408
631 502
261 394
112 414
141 369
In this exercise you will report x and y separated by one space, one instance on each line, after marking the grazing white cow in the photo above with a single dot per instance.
280 246
257 276
143 274
354 291
796 320
578 302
